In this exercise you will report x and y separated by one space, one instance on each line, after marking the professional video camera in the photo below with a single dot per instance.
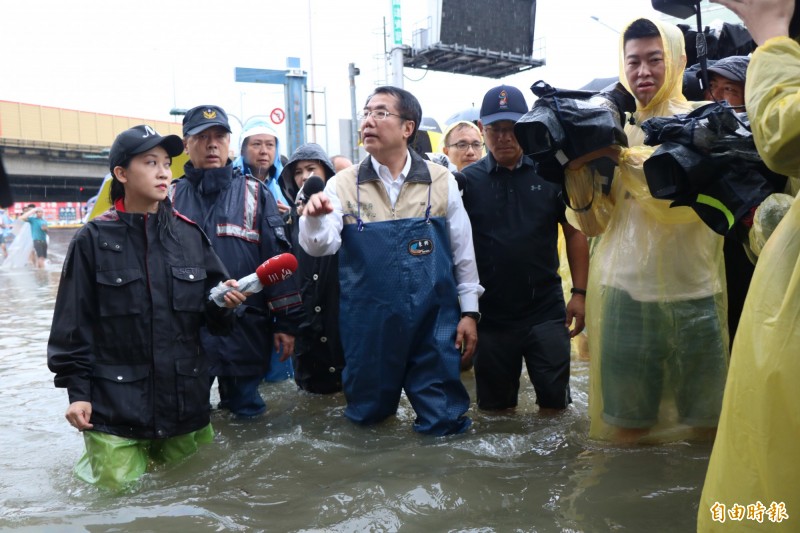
683 9
704 44
566 124
707 160
680 9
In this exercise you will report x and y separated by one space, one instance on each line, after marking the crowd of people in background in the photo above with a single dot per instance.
412 271
24 239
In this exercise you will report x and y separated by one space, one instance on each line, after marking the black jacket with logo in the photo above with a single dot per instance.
125 332
515 216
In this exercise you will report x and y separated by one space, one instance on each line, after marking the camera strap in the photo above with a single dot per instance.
565 197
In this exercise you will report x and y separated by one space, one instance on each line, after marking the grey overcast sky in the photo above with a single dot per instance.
142 58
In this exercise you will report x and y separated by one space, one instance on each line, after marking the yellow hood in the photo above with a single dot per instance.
675 61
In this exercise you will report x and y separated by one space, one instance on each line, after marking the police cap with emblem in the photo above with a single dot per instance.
202 117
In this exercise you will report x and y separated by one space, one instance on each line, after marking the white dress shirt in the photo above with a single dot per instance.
323 235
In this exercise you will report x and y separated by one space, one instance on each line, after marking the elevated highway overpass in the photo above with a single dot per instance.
60 155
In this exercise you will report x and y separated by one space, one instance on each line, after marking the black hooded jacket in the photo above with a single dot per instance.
319 357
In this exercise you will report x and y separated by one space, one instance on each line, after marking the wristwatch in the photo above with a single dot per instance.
476 316
573 290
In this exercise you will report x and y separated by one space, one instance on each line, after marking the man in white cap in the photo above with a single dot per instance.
260 158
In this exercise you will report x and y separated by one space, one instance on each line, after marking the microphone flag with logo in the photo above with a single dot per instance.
273 270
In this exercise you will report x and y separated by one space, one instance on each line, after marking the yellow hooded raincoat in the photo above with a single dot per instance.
753 479
654 265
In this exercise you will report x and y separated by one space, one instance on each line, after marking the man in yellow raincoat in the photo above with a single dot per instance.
655 306
753 479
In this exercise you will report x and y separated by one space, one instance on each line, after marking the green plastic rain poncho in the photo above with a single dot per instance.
755 464
655 306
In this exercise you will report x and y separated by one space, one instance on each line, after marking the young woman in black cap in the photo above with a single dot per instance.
124 339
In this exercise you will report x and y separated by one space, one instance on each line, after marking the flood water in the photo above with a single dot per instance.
304 467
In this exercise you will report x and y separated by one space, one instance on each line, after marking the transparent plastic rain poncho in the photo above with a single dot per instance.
756 456
665 258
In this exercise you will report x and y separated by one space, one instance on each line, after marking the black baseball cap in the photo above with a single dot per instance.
202 117
733 68
140 139
502 103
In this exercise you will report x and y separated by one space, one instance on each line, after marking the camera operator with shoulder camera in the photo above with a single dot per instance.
754 459
656 306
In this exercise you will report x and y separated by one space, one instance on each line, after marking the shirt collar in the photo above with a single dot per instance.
494 166
403 173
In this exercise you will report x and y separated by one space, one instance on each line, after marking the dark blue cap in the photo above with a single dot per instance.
202 117
503 103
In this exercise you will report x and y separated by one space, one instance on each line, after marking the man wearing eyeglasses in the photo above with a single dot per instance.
515 216
463 143
408 278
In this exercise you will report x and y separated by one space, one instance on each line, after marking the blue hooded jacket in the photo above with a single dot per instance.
256 126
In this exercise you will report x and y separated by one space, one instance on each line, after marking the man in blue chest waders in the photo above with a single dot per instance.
409 282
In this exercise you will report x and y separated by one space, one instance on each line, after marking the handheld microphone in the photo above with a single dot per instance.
313 185
273 270
276 269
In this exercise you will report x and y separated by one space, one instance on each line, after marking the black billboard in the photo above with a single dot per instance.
498 25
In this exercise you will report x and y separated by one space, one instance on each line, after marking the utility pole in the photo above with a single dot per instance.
353 120
397 47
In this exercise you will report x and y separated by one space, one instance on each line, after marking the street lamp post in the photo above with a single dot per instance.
353 72
597 19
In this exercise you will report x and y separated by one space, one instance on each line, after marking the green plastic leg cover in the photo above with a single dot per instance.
116 463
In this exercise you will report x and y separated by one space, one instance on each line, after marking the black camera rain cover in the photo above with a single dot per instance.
707 159
587 126
565 124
